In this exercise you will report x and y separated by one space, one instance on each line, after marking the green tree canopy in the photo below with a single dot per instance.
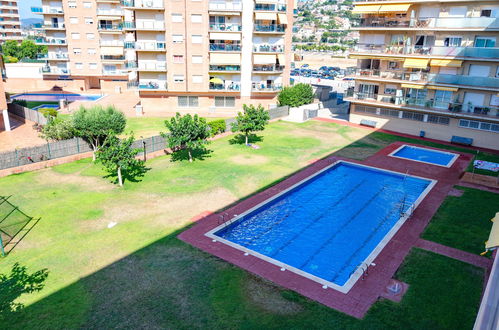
118 157
189 132
252 119
297 95
58 129
95 125
27 49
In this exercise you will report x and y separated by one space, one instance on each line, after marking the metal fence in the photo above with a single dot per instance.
26 113
75 146
12 222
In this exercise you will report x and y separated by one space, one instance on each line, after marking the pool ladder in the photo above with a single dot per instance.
224 219
365 269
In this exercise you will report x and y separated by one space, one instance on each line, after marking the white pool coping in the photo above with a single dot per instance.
449 164
100 98
358 272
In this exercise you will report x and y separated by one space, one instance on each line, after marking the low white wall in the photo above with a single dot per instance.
24 70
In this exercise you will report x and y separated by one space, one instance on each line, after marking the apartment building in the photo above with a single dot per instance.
10 25
429 68
177 54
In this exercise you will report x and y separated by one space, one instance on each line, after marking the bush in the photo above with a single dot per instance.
11 59
296 95
48 112
22 103
217 126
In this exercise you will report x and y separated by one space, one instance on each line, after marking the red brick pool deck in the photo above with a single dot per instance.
364 292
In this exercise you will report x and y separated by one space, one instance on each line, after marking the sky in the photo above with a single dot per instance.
25 8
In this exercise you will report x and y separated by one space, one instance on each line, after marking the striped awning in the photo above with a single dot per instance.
283 19
416 63
412 86
398 8
447 63
266 16
111 51
225 36
264 59
366 9
225 59
442 88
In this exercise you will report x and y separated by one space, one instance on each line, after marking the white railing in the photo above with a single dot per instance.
222 5
118 43
110 12
151 65
149 25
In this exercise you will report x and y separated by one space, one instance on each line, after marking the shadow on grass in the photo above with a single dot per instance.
133 174
240 139
197 154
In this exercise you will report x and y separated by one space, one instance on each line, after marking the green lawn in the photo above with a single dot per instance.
148 126
32 104
464 222
138 275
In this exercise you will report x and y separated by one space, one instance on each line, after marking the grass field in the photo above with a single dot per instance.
148 126
137 274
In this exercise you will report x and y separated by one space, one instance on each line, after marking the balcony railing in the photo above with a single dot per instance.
117 43
148 85
47 10
225 6
226 86
110 27
428 104
268 68
55 70
112 57
143 3
51 41
150 46
477 52
278 28
110 12
227 68
116 72
264 87
226 27
220 47
268 48
53 56
270 7
151 66
145 25
49 26
431 22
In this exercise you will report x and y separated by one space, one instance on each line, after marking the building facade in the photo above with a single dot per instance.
175 53
10 24
429 68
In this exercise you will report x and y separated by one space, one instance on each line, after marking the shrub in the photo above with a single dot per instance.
217 126
11 59
48 112
296 95
22 103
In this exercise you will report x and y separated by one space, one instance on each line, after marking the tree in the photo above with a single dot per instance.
58 129
13 51
118 156
16 284
10 48
186 132
252 119
296 95
95 125
28 49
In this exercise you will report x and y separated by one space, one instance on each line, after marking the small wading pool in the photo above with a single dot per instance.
55 97
330 225
425 155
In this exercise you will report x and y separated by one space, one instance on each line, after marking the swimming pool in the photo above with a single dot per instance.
329 225
56 97
425 155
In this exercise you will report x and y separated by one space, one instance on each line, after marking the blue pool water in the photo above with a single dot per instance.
425 155
328 225
55 97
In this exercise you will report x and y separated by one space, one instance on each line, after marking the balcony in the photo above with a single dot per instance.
222 47
151 66
145 25
429 105
225 68
268 68
265 48
225 85
264 87
110 27
53 26
143 4
222 5
110 12
116 72
225 27
451 52
112 43
152 85
47 10
54 70
270 7
54 57
51 41
270 28
112 58
446 23
150 46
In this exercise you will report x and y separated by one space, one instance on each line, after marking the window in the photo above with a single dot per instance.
197 39
392 65
196 18
412 116
72 4
494 100
390 89
486 13
79 65
389 113
438 120
91 51
73 20
453 41
479 70
87 4
177 18
442 99
89 20
187 101
177 38
178 78
93 66
75 36
485 42
178 58
225 102
197 59
479 125
90 36
77 51
197 79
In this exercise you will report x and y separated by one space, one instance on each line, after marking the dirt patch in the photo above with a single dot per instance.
330 138
456 192
269 298
50 177
249 159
